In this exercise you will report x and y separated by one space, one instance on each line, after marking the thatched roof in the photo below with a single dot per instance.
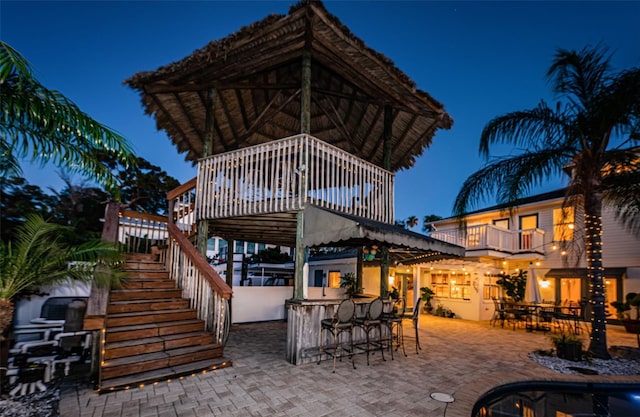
256 74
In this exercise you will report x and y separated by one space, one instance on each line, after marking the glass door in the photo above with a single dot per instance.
406 289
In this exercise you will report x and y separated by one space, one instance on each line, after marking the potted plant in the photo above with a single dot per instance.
427 295
568 346
349 282
621 309
394 293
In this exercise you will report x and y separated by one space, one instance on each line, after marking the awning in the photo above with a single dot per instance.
328 228
582 273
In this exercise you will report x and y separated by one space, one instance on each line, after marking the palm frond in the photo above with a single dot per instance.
47 126
509 178
38 256
580 74
529 129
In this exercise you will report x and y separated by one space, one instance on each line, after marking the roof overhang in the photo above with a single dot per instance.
250 84
327 228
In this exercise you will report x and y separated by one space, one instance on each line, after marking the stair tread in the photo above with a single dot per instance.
135 342
143 290
152 325
152 356
165 373
148 312
142 301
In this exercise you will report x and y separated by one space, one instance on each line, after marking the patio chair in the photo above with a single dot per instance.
339 326
372 321
499 313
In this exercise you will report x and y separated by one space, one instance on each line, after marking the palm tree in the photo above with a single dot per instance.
39 256
412 221
49 127
593 131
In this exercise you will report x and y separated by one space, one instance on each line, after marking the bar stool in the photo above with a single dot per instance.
393 321
370 322
339 326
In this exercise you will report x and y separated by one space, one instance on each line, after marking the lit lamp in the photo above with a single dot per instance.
545 283
392 279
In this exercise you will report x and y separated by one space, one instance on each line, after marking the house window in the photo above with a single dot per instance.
440 283
491 289
610 290
570 290
501 223
528 226
563 224
334 279
251 248
460 285
239 246
451 284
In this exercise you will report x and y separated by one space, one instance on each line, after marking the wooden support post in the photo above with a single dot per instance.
305 97
359 266
384 272
386 161
301 252
207 149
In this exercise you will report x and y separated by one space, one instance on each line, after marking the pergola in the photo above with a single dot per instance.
303 72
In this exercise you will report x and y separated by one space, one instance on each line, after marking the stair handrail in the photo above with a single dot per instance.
199 262
208 293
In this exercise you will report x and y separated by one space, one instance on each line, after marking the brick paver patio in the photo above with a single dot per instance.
461 358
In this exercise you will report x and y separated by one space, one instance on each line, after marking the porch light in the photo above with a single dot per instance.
537 263
563 253
545 283
392 279
570 226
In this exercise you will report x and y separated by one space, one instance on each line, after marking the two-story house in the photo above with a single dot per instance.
540 234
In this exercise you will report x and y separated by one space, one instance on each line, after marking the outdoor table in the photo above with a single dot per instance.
534 311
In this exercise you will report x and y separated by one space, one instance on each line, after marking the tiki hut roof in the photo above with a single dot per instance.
252 80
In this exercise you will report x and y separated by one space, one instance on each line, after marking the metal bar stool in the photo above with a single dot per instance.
339 326
372 321
393 321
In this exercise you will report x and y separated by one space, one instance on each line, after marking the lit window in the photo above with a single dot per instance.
563 224
334 279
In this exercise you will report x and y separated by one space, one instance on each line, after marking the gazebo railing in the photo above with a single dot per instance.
286 174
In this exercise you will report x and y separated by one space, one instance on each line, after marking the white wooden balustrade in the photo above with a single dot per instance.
487 236
286 174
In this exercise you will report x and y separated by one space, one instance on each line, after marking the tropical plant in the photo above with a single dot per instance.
350 283
39 256
426 294
49 127
513 285
593 131
621 309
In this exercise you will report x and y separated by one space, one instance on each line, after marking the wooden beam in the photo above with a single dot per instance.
305 95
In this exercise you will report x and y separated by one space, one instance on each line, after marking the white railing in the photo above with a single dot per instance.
486 236
182 202
207 292
289 173
141 232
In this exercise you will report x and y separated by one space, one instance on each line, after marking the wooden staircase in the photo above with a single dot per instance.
151 333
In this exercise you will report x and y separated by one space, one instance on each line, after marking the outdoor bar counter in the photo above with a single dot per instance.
303 327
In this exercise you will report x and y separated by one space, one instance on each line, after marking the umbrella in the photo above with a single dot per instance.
531 290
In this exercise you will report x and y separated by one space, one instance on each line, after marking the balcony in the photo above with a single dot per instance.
491 238
287 174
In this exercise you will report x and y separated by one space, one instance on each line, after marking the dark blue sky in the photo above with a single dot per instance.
480 59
